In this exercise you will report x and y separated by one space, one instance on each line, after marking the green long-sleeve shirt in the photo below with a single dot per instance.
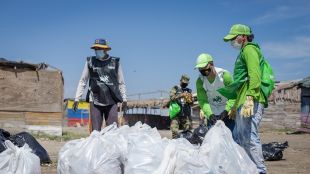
202 95
250 57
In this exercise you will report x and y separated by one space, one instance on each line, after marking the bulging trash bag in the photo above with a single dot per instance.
24 137
145 149
168 162
187 158
15 160
274 151
4 135
91 155
187 134
199 133
222 155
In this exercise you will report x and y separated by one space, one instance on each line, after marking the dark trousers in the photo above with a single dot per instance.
228 123
97 113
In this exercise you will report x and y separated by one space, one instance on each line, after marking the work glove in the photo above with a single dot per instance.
224 115
232 113
75 106
180 95
201 115
212 120
248 107
188 97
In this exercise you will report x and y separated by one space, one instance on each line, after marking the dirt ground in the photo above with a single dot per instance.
296 158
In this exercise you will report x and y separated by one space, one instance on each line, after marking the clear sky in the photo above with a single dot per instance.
157 41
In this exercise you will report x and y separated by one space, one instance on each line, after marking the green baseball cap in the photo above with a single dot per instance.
185 78
203 60
237 29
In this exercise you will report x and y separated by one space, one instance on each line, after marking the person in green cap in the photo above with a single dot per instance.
213 105
182 95
250 99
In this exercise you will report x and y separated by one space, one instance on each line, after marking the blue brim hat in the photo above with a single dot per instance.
101 43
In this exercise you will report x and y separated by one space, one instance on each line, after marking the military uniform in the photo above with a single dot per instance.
183 96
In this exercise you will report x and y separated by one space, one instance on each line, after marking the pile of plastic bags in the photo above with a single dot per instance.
20 140
140 149
15 160
21 154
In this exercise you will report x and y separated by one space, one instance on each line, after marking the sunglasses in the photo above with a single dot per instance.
207 69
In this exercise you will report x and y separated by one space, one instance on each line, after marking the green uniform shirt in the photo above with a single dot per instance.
202 95
249 59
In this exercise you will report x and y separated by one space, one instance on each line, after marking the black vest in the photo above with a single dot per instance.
103 82
185 107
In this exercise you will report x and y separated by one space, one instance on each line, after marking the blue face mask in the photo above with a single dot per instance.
99 54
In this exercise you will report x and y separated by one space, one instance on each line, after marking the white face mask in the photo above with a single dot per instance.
99 54
235 44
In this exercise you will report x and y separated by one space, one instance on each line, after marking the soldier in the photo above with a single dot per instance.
183 96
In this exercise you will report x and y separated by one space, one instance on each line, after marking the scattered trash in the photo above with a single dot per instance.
274 151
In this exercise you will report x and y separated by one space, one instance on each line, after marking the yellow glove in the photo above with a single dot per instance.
201 115
248 107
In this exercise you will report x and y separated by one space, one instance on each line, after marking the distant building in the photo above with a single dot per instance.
31 97
289 105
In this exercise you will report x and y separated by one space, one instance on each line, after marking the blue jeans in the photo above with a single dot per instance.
246 135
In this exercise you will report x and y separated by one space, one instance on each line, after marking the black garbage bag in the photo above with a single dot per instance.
21 138
199 133
187 134
274 151
4 135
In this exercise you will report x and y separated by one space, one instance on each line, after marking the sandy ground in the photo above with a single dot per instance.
296 157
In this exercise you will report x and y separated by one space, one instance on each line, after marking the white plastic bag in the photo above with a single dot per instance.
145 149
92 155
222 155
15 160
181 157
188 159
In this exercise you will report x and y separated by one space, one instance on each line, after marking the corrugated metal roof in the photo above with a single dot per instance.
305 82
7 64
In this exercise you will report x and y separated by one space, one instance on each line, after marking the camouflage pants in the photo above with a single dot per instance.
178 123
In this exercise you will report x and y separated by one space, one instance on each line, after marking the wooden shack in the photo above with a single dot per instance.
31 97
289 106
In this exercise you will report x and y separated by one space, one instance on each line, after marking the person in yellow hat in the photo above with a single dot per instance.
182 95
246 89
106 89
214 106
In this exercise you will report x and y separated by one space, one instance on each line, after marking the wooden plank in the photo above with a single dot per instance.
12 116
12 120
50 119
33 91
